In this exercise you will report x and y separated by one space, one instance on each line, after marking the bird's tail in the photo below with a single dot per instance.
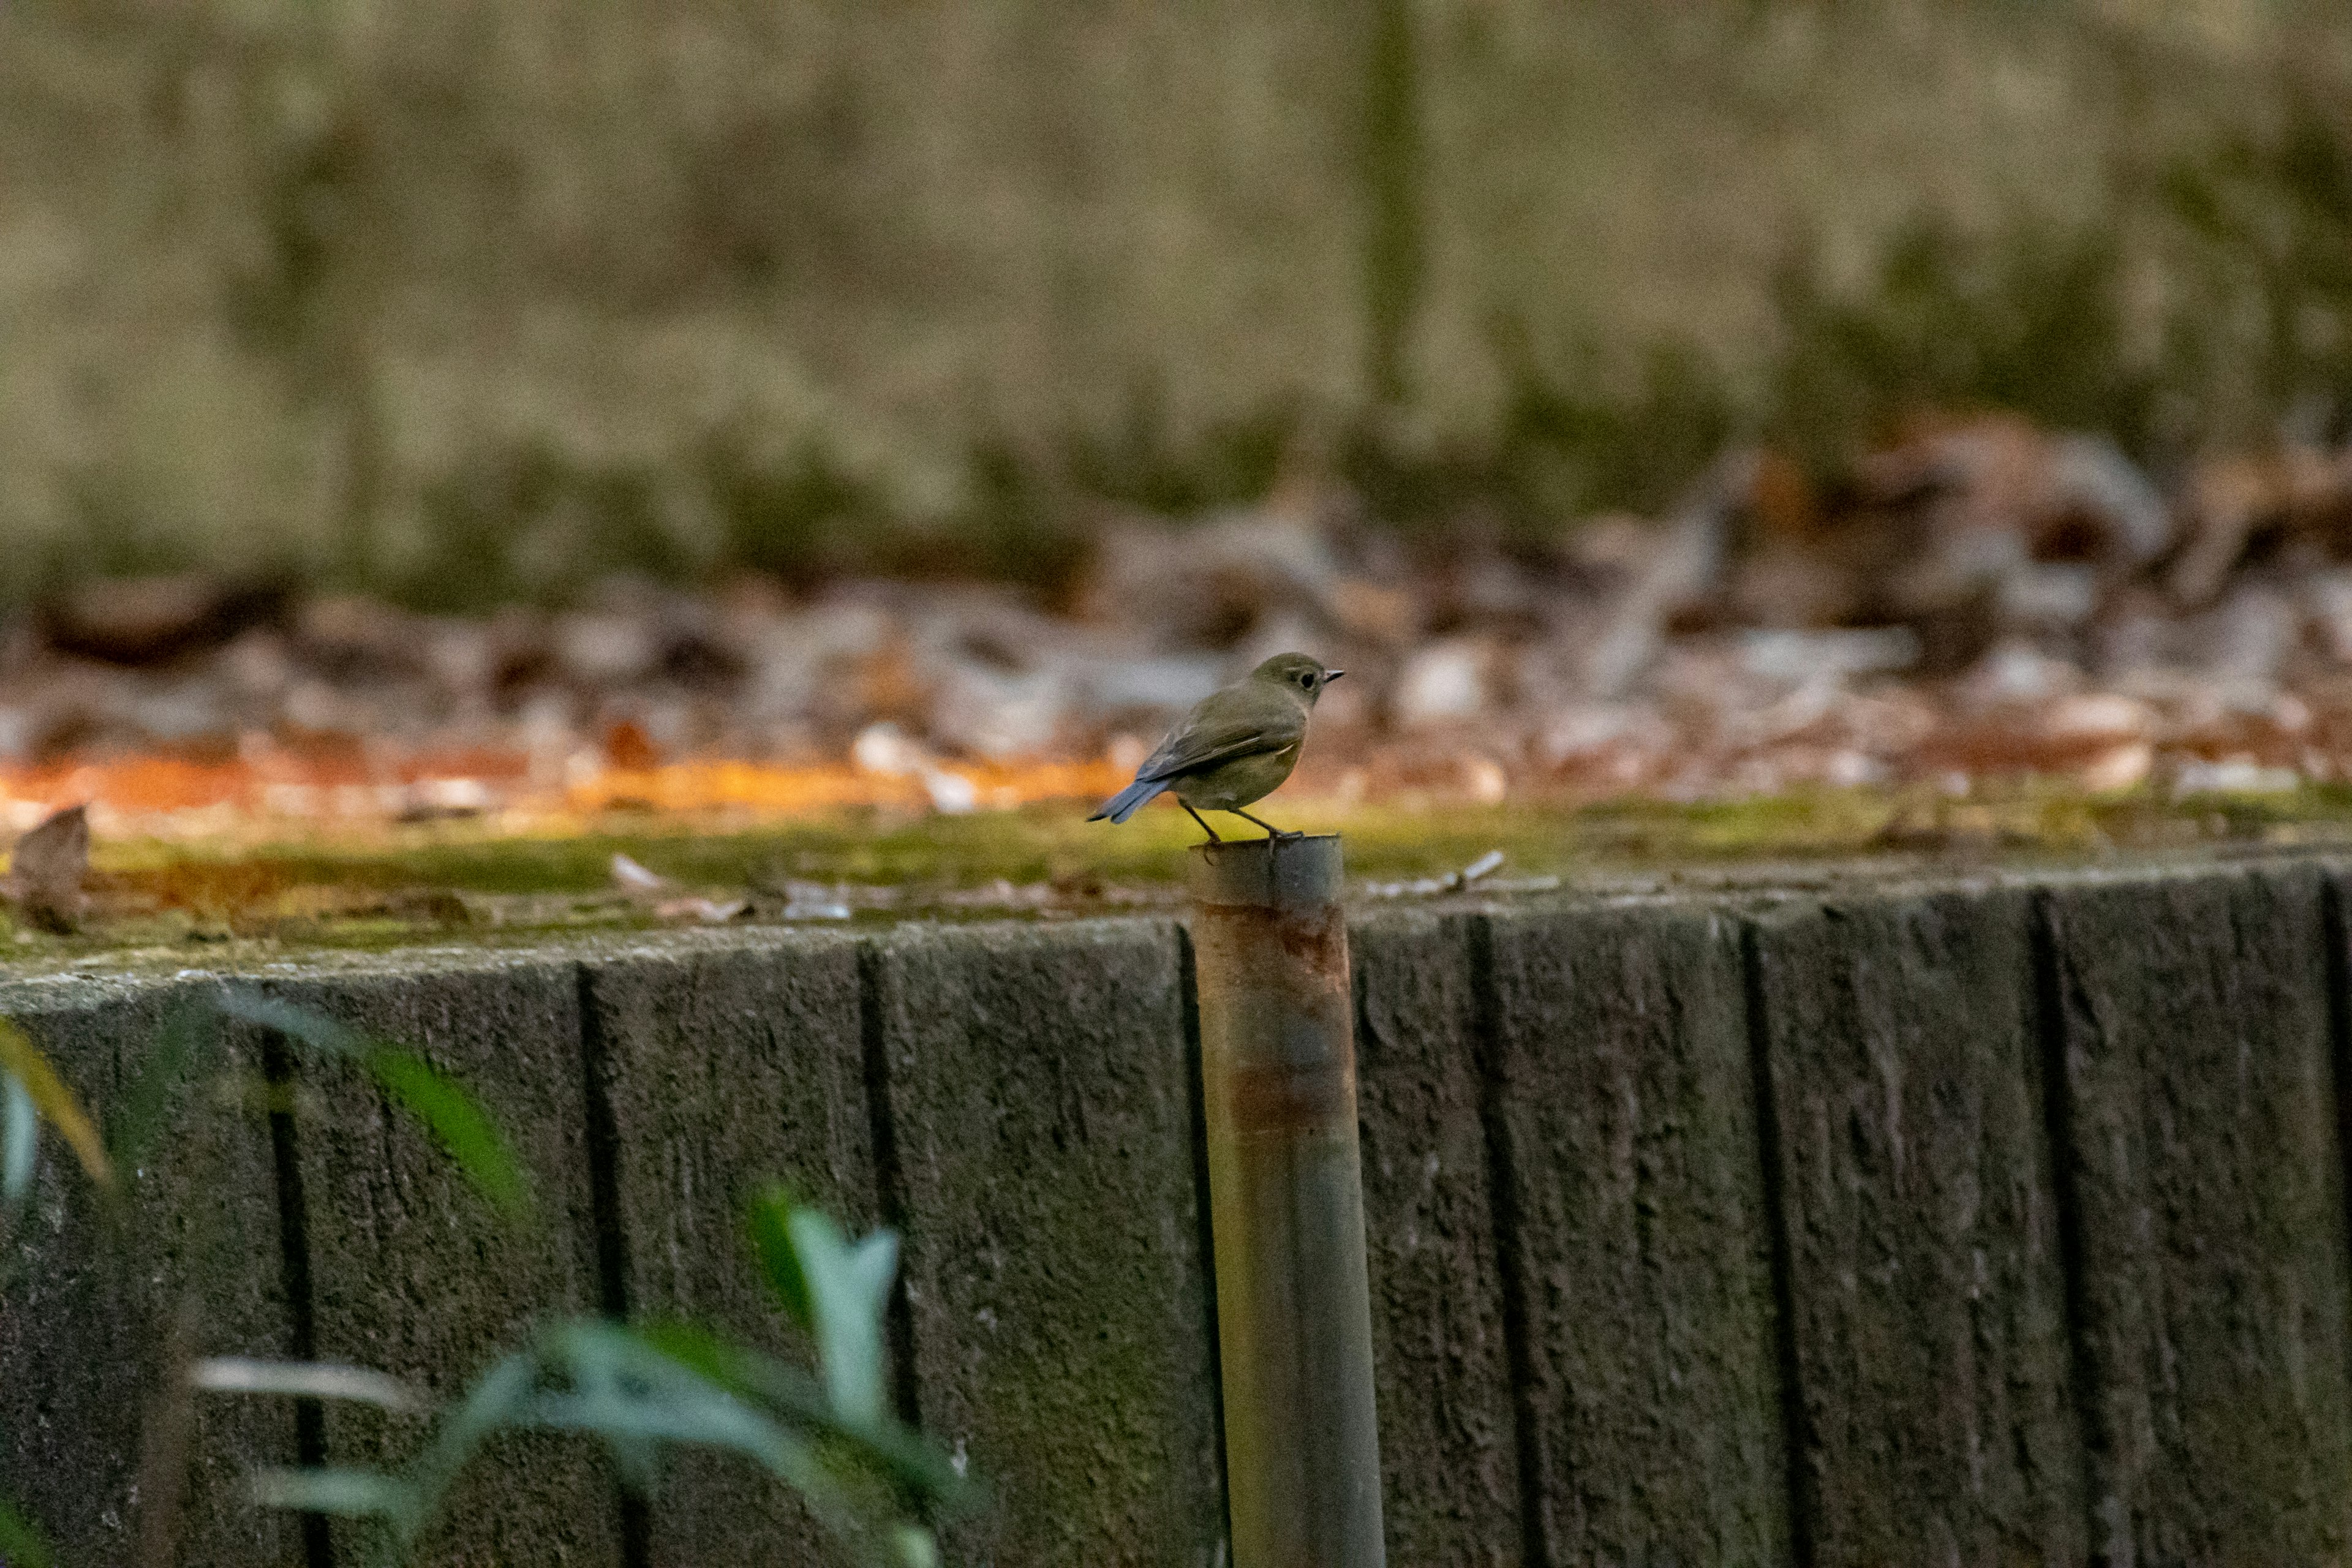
1128 801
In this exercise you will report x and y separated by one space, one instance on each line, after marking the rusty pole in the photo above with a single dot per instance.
1286 1204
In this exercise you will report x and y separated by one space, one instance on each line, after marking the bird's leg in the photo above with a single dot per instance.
1272 831
1203 822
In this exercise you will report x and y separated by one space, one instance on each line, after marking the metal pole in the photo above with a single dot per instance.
1286 1204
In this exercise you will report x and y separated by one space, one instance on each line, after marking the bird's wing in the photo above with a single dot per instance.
1199 744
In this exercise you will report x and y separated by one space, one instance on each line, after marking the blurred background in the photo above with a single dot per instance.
439 410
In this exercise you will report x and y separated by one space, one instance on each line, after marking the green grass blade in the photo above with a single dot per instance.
784 1389
914 1547
627 1391
682 1385
622 1385
500 1397
912 1463
837 1291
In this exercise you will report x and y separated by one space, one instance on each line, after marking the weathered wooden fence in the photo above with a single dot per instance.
1986 1222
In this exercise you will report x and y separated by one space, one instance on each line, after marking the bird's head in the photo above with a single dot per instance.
1297 674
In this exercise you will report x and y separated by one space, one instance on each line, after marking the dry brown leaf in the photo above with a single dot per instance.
47 869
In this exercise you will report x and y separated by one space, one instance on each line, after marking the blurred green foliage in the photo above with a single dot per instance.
876 1485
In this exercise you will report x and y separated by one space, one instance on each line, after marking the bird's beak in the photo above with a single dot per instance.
1333 674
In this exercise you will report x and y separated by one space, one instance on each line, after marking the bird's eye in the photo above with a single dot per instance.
1307 680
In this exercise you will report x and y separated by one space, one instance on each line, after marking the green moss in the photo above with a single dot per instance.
467 882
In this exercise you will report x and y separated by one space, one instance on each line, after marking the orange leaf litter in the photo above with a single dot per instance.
349 784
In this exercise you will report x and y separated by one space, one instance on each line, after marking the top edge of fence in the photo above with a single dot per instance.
1744 887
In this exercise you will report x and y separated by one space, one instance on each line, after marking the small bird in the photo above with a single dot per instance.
1235 746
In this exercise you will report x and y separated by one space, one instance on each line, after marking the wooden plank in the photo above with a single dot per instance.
87 1318
413 1273
2202 1155
1449 1458
1637 1234
721 1070
1042 1114
1929 1290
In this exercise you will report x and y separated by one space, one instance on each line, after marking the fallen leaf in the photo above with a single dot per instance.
47 871
629 874
711 912
626 746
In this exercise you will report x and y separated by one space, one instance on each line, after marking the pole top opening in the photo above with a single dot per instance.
1309 869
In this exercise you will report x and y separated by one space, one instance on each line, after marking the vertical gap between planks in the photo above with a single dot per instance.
1188 997
1502 1197
889 1179
1794 1428
2337 934
2058 1120
294 1260
612 1239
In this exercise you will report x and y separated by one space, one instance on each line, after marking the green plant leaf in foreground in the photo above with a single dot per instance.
850 1292
838 1291
869 1479
305 1380
314 1029
181 1049
20 1133
913 1547
914 1466
783 1388
497 1399
767 1221
407 1503
22 1060
21 1545
641 1394
351 1494
627 1391
589 1376
469 1133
